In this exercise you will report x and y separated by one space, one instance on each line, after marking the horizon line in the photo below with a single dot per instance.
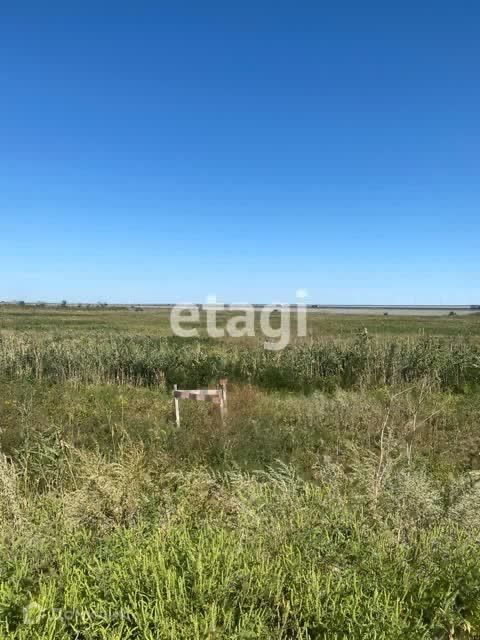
39 303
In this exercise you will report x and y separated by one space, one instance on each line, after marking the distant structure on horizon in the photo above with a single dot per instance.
331 307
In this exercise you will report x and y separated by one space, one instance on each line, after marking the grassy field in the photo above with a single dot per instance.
340 500
156 322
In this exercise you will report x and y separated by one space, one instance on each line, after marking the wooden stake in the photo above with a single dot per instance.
223 386
177 407
222 411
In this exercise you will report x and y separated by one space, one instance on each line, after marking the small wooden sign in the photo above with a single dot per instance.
215 396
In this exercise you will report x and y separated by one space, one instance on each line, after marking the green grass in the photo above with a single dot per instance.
317 363
241 557
340 500
157 323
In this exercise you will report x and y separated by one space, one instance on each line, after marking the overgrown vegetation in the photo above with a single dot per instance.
313 364
341 499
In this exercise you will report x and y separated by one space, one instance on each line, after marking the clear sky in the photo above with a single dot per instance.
161 152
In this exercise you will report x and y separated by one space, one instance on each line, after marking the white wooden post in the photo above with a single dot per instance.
177 407
223 386
222 410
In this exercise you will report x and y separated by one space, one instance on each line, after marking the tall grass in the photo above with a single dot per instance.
316 364
116 524
235 556
350 512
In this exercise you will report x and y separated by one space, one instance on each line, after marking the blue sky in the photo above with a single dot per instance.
154 152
